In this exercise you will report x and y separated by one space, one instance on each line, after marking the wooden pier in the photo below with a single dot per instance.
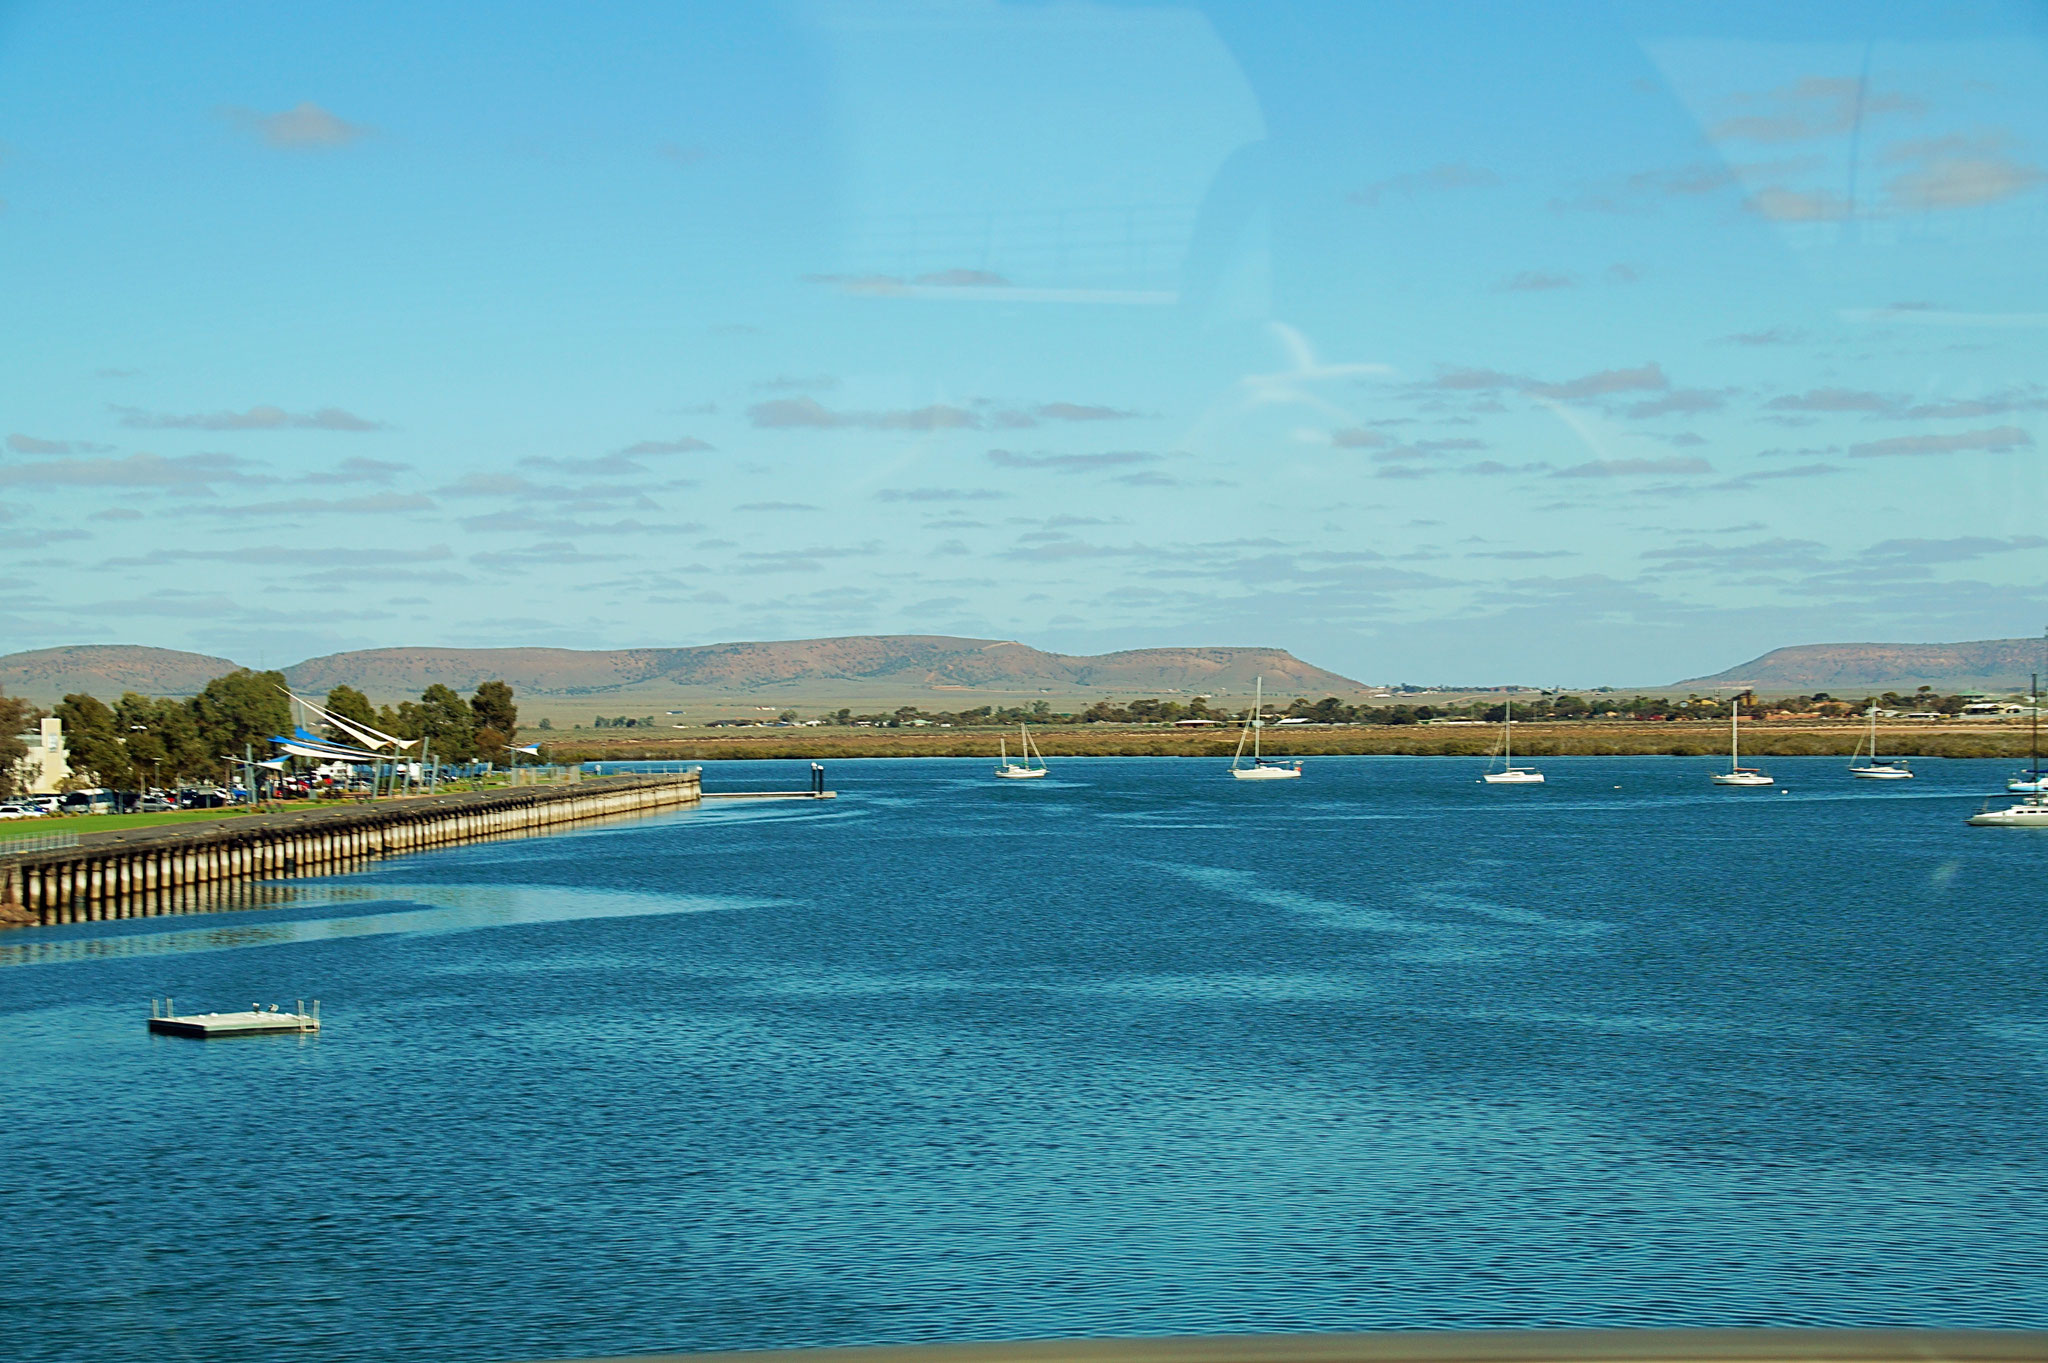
200 867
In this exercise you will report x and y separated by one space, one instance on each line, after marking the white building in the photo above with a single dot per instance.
48 764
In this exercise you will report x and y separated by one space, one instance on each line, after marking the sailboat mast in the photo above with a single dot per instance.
1507 734
2034 716
1735 734
1258 714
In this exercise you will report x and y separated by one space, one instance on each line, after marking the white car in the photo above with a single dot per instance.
20 812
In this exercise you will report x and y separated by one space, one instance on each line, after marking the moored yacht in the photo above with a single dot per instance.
2029 812
1015 771
1262 768
1737 774
1878 768
1510 774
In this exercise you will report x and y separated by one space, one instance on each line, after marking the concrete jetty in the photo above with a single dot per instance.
201 867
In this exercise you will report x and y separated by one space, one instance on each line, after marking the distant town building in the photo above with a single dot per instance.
48 764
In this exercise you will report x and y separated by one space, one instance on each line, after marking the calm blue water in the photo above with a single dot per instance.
1135 1049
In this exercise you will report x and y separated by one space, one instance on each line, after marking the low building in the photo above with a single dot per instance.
48 764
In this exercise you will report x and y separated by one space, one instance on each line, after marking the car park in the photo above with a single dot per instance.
15 811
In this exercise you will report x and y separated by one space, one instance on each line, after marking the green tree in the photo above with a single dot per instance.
351 704
161 740
244 709
94 741
15 717
445 720
492 708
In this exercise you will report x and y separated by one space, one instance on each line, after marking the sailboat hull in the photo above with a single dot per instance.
1513 778
1020 773
2030 814
1881 773
1742 778
2027 785
1266 773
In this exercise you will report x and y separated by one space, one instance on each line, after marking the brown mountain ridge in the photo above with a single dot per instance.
912 668
1991 665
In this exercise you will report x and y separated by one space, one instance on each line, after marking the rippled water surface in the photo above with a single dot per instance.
1133 1049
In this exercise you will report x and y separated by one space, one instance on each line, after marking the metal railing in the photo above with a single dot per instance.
14 846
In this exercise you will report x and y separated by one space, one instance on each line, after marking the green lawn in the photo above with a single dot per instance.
107 823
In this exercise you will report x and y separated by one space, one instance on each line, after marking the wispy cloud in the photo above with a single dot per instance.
1074 411
304 127
939 494
1535 281
1072 463
776 506
798 383
255 419
1769 336
1996 440
1780 204
187 472
1809 108
29 444
359 470
375 504
564 527
809 414
681 445
1648 377
1634 468
1681 402
548 554
1447 176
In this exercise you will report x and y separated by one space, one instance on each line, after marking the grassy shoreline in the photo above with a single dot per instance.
1561 739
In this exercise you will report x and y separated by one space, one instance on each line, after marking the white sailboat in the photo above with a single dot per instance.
2031 810
1878 768
2030 780
1012 771
1261 769
1737 774
1510 774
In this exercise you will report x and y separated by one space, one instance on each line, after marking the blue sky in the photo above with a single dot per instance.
1435 342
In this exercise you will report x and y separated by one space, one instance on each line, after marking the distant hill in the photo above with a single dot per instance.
906 664
932 670
1986 665
107 670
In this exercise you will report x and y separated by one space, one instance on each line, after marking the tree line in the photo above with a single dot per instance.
142 741
1331 710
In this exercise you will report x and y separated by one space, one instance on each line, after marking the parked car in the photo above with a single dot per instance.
156 804
20 812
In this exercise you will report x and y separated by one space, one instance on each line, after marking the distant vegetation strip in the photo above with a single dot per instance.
1559 738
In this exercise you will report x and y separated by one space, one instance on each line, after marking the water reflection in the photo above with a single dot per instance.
456 908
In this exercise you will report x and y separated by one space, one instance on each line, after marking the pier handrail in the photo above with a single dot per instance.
37 842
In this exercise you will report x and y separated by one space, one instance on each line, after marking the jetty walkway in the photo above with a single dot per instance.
196 867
